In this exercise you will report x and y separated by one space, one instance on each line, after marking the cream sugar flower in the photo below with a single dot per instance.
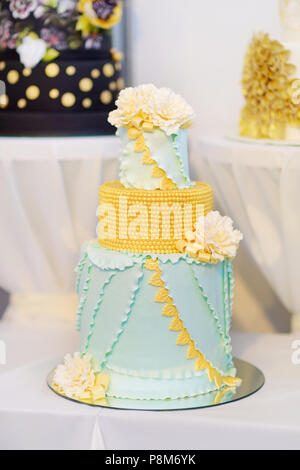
76 379
161 107
216 236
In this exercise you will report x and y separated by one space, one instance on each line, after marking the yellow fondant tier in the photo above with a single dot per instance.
143 221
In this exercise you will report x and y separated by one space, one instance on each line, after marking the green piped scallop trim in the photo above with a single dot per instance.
83 297
97 308
173 375
125 319
79 270
106 259
230 294
184 171
223 336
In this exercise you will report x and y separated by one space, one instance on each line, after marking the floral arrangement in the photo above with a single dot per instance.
55 25
76 379
212 240
268 90
155 107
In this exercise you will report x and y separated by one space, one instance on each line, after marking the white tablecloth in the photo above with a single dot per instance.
48 199
258 185
33 417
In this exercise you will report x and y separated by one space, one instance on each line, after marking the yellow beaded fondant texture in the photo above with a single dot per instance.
184 337
143 221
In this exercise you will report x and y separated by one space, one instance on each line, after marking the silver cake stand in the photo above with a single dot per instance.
252 381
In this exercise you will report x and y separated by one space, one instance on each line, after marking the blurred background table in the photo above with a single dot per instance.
257 184
48 199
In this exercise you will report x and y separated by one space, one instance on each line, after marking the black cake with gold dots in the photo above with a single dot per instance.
61 75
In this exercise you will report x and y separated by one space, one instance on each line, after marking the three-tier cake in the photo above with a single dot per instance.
156 288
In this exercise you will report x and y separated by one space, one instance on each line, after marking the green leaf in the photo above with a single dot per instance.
50 55
33 35
83 25
52 3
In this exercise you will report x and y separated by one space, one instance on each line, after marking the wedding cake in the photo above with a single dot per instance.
156 287
59 74
271 81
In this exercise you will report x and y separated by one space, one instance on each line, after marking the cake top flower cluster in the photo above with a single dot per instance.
159 107
212 240
59 24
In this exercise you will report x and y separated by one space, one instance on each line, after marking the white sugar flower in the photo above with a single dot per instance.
171 111
217 237
31 51
160 107
131 102
75 377
21 9
65 6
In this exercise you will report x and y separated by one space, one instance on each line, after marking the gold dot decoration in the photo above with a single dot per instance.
108 70
52 70
95 73
106 97
71 70
120 83
27 72
22 103
4 100
118 67
33 92
116 55
68 100
86 85
87 103
13 77
54 93
113 86
2 66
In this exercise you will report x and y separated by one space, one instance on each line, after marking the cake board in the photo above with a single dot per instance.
252 381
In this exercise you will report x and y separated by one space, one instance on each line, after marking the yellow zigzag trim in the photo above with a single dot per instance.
184 338
141 146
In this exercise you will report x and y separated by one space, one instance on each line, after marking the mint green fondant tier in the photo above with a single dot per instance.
169 152
122 326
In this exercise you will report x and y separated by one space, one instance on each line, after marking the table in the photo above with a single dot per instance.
33 417
48 200
257 184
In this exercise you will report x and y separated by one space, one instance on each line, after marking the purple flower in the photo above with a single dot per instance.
8 37
104 8
54 38
22 8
